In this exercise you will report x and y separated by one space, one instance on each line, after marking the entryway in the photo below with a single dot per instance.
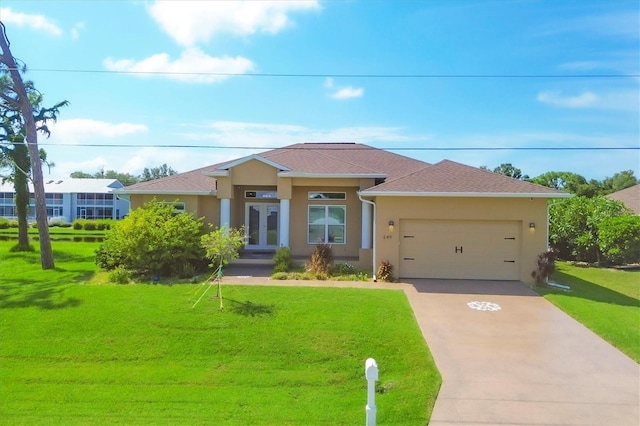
261 226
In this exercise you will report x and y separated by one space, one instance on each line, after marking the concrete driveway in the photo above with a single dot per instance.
509 357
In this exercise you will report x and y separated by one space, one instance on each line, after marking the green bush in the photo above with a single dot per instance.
60 223
78 224
282 260
13 224
344 269
280 276
152 240
120 276
4 223
573 225
619 239
90 226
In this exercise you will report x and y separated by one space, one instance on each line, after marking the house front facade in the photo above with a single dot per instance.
445 220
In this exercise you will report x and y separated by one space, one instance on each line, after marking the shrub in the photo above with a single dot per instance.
78 224
385 271
4 223
280 276
344 269
187 270
58 222
152 240
545 267
13 224
619 239
90 226
282 260
120 276
320 263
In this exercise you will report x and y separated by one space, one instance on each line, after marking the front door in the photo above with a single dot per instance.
261 225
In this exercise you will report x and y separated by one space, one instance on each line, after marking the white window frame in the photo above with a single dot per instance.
325 240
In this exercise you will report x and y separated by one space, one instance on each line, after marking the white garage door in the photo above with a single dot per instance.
483 250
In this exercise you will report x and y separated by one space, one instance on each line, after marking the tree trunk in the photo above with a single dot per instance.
21 186
46 254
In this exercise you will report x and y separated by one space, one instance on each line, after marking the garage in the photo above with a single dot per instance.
488 250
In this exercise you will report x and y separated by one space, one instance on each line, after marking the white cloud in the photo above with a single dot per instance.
348 93
193 66
87 131
75 31
621 100
583 100
269 135
35 22
192 22
616 24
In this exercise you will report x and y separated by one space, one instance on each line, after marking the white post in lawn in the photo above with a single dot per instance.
371 373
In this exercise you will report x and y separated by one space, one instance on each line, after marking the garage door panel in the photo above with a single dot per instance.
459 249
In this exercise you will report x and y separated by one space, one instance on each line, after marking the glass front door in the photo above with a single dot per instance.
261 225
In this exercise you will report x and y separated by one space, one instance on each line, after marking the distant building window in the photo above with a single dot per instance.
7 211
327 224
261 194
94 213
327 195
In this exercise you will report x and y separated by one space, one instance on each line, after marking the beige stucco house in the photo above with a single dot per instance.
445 220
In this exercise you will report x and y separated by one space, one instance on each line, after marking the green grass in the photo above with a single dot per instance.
72 352
605 300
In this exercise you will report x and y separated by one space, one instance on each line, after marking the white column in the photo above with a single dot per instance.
284 223
366 225
225 212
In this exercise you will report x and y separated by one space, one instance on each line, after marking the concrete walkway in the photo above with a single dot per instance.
507 356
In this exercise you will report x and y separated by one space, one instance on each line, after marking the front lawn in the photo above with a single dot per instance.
605 300
72 352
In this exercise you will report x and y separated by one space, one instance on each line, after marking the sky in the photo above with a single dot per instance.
195 83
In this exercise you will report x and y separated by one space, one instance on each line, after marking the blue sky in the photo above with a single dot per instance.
397 74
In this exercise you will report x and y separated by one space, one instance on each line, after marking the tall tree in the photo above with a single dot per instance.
124 178
15 156
508 169
15 97
569 182
619 181
156 173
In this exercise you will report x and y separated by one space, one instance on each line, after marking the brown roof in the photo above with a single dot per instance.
449 177
404 175
629 196
341 159
193 181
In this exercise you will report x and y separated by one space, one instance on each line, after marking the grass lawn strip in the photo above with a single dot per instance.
74 353
607 301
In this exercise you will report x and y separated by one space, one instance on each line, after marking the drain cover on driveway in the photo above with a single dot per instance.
484 306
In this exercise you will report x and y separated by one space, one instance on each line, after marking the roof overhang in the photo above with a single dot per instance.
464 194
161 192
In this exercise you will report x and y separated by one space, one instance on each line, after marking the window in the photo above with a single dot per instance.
260 194
178 206
327 195
327 225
